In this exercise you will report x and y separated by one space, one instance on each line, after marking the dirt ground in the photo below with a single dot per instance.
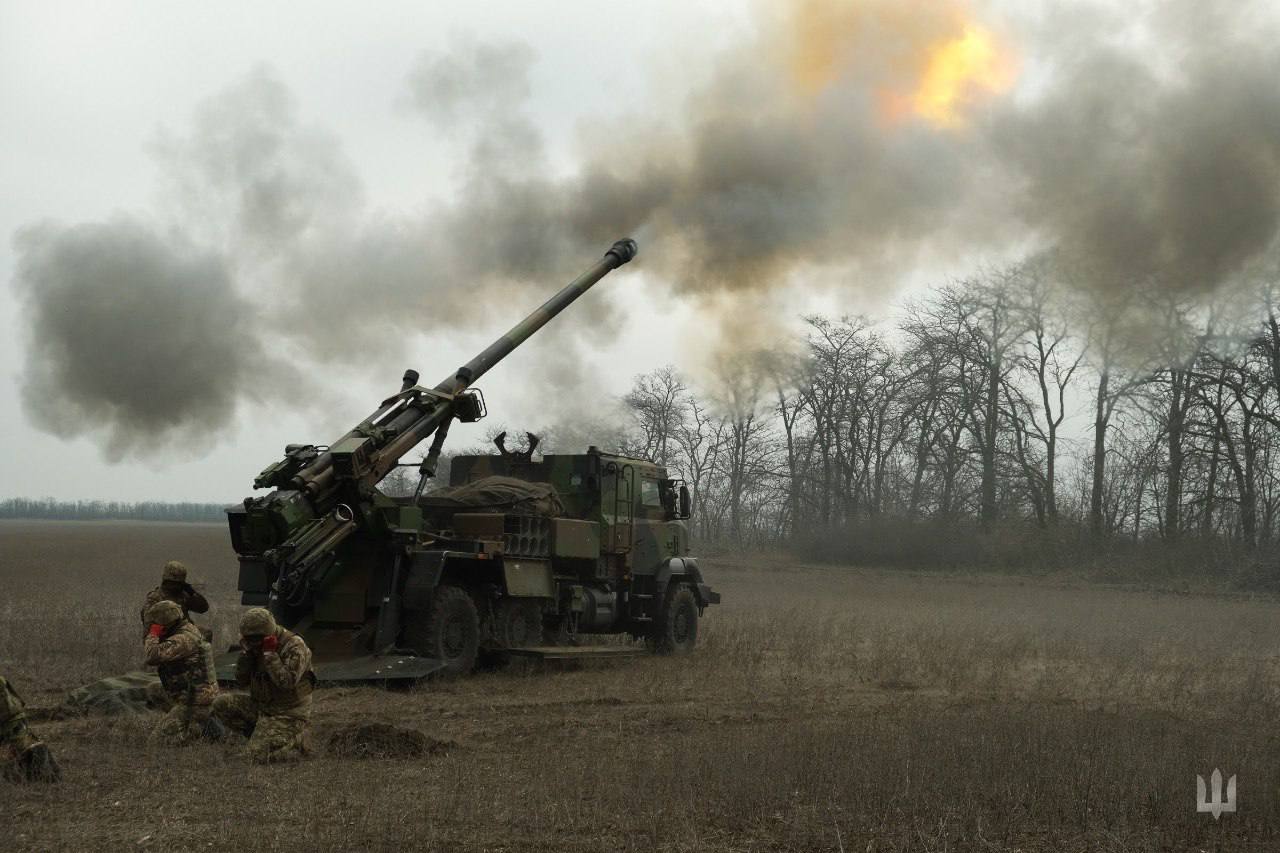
826 709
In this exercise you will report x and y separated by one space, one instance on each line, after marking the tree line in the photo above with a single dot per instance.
951 417
48 508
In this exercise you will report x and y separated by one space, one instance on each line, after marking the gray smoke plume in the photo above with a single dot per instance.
1147 171
473 78
251 177
1148 144
135 338
1144 140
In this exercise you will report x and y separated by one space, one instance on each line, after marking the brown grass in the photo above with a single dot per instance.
827 709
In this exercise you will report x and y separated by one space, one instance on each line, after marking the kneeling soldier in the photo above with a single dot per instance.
275 664
184 661
29 758
174 587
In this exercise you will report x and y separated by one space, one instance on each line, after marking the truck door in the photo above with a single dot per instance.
650 530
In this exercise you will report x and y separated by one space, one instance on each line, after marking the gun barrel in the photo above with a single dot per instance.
620 253
412 425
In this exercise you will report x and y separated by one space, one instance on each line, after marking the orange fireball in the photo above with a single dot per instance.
959 72
929 60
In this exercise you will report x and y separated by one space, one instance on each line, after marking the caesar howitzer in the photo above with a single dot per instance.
318 489
359 572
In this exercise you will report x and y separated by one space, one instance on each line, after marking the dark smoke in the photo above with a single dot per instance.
1150 144
1144 142
134 338
1153 172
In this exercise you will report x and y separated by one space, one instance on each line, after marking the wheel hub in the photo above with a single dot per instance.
680 625
454 637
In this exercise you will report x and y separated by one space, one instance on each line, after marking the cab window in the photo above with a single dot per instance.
650 494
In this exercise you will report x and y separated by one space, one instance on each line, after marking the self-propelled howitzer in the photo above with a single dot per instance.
362 574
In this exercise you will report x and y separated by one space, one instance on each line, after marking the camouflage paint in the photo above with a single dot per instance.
346 565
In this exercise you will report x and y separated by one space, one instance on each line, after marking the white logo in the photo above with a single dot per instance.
1216 806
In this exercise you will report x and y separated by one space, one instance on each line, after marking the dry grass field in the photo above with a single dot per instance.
826 709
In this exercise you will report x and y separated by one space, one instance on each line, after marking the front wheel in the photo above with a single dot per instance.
449 630
675 629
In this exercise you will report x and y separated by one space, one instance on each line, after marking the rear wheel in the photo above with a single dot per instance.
675 629
555 632
449 630
517 623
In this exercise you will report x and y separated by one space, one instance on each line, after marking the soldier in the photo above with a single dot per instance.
184 661
275 664
29 758
174 587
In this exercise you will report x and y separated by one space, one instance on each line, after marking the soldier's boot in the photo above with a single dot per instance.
32 759
212 729
37 764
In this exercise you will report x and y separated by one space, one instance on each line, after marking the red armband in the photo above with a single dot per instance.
156 631
270 643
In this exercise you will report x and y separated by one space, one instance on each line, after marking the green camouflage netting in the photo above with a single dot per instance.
498 494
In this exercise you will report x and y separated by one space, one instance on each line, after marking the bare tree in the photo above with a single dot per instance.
658 402
743 460
1047 355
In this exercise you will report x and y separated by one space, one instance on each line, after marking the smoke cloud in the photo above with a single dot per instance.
841 142
134 338
474 78
1176 181
250 177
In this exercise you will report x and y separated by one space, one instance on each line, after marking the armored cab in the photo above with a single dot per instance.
515 553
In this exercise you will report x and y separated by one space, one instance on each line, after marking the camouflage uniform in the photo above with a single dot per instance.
174 587
29 757
184 661
276 713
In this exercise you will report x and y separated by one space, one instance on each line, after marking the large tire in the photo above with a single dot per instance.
448 630
517 623
675 629
555 632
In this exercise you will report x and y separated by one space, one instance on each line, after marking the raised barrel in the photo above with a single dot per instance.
409 427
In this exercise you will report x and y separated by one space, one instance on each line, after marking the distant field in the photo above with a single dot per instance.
827 709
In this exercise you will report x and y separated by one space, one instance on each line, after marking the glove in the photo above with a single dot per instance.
156 631
270 643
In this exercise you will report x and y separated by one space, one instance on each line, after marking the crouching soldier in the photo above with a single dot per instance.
184 661
275 664
29 759
174 587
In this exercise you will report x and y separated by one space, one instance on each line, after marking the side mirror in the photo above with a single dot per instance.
686 502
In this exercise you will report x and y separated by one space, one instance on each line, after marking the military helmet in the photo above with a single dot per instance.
257 623
164 613
174 571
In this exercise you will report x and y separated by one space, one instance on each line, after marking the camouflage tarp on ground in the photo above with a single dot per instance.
131 693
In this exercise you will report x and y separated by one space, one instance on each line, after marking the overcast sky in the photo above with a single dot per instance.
232 226
86 88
